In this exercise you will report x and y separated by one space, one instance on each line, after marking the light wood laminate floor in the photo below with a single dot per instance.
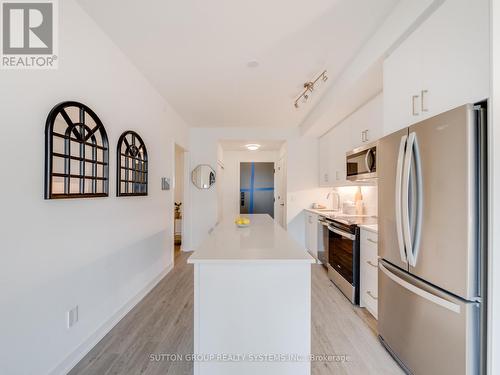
163 323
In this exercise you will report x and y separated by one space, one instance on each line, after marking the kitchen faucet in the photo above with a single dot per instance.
335 193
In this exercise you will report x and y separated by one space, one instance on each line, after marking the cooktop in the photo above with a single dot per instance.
350 222
355 220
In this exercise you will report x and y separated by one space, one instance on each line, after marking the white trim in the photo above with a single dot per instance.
84 348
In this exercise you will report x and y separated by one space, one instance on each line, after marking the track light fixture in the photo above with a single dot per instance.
309 87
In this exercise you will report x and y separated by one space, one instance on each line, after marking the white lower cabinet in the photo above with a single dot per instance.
312 233
369 272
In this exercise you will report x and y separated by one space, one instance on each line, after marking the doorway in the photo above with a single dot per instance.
179 201
257 188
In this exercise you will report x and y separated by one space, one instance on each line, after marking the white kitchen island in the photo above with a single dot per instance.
252 301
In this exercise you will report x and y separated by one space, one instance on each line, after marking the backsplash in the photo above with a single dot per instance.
370 198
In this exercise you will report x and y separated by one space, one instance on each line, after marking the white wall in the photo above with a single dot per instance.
302 175
231 183
94 253
219 186
179 175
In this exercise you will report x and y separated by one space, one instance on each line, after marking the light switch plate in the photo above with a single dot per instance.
165 183
72 316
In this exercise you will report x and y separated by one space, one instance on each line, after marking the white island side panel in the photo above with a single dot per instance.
252 308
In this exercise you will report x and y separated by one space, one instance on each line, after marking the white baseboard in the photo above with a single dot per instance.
82 350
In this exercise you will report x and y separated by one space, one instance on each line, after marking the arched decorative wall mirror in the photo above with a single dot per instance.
76 153
131 165
203 176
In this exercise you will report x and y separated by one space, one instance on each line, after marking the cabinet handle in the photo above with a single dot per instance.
413 102
326 177
372 241
371 264
371 295
364 136
423 107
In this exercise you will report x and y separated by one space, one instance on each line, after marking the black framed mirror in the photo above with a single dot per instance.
131 165
76 153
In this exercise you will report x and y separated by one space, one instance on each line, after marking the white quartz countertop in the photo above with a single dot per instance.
263 241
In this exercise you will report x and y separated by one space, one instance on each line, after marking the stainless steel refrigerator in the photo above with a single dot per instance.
432 223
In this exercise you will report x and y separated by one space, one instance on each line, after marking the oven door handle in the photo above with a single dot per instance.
342 233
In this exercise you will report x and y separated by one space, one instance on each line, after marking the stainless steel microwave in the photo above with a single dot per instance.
362 163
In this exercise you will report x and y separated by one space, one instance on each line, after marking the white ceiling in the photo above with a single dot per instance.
196 52
239 145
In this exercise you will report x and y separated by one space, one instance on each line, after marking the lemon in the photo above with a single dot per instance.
242 221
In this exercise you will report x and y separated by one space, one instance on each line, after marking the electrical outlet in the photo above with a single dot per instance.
72 316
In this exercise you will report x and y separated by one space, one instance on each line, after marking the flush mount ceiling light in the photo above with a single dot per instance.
252 146
253 64
309 88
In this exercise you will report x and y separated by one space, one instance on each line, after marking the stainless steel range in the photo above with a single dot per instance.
343 253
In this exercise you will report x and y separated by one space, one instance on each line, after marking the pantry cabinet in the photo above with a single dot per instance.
443 64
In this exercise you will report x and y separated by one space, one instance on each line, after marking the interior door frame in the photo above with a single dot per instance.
280 201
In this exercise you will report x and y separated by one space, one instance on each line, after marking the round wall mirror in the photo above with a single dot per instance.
203 176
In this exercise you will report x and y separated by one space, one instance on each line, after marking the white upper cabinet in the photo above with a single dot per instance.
366 124
339 145
324 165
332 149
441 65
362 127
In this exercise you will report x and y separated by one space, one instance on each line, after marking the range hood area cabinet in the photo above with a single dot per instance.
361 128
443 64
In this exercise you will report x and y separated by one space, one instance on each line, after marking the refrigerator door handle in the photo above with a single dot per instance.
420 292
419 202
406 199
398 211
412 157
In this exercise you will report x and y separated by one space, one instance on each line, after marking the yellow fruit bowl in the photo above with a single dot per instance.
242 222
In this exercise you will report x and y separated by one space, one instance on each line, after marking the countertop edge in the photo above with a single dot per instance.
254 261
325 212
